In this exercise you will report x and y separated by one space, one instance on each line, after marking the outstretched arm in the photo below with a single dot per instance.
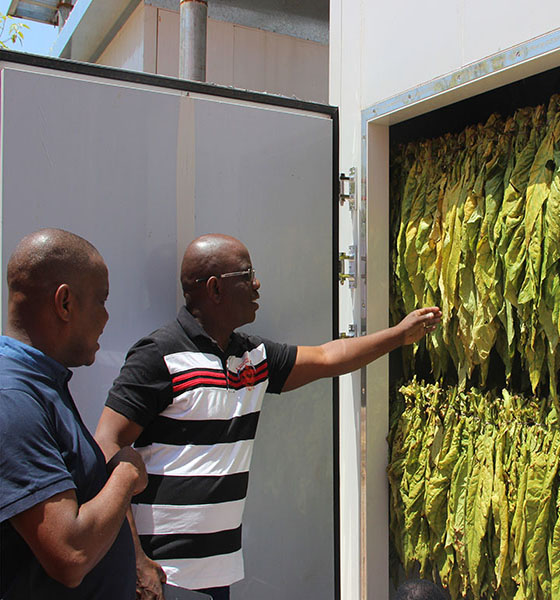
115 431
346 355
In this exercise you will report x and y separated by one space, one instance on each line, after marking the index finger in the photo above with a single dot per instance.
431 312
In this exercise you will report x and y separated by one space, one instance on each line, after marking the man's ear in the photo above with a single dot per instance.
213 289
63 300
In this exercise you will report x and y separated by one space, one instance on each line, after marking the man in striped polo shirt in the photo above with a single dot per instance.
189 397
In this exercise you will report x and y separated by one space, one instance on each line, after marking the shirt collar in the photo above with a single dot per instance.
191 326
15 349
194 330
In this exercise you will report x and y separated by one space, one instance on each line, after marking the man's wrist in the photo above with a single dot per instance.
141 557
398 333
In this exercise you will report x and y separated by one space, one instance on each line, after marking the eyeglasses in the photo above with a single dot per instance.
248 274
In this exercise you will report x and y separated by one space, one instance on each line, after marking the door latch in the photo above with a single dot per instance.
347 189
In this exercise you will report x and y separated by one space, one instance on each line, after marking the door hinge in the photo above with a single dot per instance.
347 189
352 329
347 267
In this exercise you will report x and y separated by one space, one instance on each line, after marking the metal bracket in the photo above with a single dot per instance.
350 193
352 330
347 272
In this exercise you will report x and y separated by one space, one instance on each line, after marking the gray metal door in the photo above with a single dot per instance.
265 176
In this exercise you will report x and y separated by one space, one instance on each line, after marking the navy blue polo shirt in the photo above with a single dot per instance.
46 449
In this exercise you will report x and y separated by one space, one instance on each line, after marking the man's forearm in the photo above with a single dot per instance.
340 356
99 521
113 432
70 539
349 354
343 356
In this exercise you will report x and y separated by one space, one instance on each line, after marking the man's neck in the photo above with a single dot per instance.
213 328
35 338
19 334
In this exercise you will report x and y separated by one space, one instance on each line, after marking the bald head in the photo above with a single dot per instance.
207 255
44 260
57 284
219 285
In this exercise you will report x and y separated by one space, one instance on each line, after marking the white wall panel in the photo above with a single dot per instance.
405 44
220 44
126 50
167 43
150 38
250 58
491 27
296 67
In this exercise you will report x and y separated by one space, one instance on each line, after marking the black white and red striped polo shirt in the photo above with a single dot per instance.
199 408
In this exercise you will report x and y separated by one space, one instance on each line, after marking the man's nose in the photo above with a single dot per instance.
256 283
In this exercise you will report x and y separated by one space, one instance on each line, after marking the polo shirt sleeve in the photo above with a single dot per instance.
32 468
281 359
143 388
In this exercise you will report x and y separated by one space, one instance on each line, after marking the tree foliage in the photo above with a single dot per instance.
11 32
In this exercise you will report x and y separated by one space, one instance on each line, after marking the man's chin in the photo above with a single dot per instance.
89 360
81 362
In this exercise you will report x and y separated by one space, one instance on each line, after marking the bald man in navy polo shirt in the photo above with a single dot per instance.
62 509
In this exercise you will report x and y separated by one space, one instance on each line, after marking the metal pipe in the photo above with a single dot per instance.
64 9
193 15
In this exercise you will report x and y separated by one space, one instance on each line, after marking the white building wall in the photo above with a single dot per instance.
126 50
409 43
238 56
379 50
249 58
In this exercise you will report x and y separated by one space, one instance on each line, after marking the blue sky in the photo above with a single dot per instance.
37 39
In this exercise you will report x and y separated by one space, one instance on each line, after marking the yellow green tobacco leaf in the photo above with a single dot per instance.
412 490
518 529
549 301
478 506
534 355
451 231
437 487
455 538
555 556
505 339
470 211
395 471
487 264
510 223
500 507
538 190
417 205
544 470
417 493
411 185
439 353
